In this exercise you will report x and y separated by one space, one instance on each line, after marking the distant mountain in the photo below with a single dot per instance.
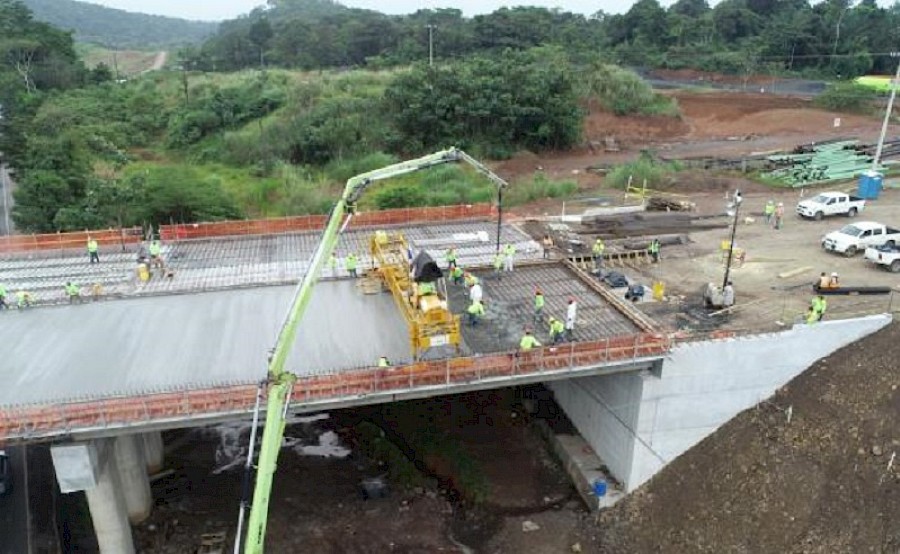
118 28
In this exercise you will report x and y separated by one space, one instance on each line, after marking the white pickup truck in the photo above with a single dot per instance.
887 257
856 237
830 203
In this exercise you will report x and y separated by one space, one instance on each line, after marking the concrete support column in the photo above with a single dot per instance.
153 451
108 511
129 455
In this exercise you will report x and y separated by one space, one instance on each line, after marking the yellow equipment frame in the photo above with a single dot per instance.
430 324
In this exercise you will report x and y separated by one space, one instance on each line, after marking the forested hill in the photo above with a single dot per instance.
118 28
827 38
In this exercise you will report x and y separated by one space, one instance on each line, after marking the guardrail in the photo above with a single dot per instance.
111 414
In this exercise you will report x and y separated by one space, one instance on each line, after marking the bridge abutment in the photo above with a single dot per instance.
639 422
132 467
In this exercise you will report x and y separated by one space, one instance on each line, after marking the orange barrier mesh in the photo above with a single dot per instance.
52 420
60 241
402 216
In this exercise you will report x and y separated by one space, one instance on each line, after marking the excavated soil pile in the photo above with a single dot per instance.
820 483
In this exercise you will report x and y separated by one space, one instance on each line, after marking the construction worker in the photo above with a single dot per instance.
73 291
426 289
3 304
470 279
156 254
824 281
571 314
475 312
557 330
779 215
811 316
769 211
653 249
498 263
547 245
538 305
450 256
384 362
92 248
456 275
597 252
819 306
728 295
24 299
834 282
476 293
332 265
350 263
509 254
528 341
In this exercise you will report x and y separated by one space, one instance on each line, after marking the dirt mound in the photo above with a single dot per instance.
632 129
819 484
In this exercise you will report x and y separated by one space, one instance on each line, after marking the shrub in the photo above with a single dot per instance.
538 187
846 97
623 92
645 168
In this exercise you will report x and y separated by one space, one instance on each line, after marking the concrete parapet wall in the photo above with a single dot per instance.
639 423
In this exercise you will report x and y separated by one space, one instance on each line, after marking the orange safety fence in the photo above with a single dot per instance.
65 418
78 239
402 216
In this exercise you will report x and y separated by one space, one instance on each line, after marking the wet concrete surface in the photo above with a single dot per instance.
163 343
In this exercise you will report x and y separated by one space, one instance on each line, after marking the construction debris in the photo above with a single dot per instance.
661 204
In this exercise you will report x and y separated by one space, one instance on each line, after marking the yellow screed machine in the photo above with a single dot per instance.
430 321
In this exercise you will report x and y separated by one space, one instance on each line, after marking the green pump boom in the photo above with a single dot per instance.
280 382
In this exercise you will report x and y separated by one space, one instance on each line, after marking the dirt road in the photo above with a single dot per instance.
160 61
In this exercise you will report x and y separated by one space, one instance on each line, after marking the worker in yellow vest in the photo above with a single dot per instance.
597 252
24 299
384 362
538 305
156 254
350 263
475 312
528 341
73 291
557 330
93 248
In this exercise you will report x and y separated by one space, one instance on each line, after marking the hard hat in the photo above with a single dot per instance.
834 274
781 203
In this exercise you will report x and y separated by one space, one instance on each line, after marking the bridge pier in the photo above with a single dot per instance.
132 467
113 474
153 451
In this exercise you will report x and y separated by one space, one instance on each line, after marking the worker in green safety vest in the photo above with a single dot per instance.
475 312
92 248
528 341
819 305
450 256
557 330
538 305
654 250
470 279
456 275
73 291
156 254
509 255
350 263
498 263
426 289
3 304
384 362
769 211
24 299
597 252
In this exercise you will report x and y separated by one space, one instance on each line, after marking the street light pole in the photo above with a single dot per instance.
737 209
895 84
430 28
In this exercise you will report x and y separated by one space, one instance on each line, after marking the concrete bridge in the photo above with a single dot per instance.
103 378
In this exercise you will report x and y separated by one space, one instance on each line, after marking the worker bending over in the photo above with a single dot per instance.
73 292
528 341
475 312
24 299
557 330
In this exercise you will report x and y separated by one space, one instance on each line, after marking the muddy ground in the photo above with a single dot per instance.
317 505
822 481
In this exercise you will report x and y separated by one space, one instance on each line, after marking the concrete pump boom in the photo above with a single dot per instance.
280 382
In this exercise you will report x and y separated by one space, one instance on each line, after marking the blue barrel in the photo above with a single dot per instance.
870 185
600 487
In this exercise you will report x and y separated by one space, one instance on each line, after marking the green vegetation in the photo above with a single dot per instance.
118 28
657 175
127 62
539 186
623 92
847 97
742 37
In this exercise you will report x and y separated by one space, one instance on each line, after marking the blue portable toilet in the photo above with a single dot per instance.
870 185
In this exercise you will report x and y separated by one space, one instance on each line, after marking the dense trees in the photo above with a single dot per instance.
833 37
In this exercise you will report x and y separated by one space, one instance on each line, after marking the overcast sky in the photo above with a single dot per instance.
214 10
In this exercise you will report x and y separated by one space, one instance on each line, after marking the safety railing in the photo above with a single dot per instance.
62 241
403 216
109 414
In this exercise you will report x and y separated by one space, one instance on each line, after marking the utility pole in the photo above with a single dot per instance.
895 84
737 208
431 29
